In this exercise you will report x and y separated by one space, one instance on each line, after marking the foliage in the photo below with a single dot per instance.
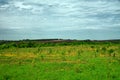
33 44
70 61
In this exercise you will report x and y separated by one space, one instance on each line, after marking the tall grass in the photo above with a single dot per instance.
81 62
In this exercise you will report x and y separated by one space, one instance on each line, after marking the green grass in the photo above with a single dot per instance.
82 62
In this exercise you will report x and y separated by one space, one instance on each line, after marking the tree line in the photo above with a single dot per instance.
37 43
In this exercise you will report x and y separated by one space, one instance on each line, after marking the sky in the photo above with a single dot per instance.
63 19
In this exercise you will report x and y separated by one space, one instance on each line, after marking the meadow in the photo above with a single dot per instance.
66 62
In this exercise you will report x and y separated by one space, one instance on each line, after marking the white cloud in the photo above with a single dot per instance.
4 6
73 14
21 5
30 17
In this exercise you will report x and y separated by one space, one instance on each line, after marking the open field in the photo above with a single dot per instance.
68 62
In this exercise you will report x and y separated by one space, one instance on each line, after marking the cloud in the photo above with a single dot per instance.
21 5
2 2
66 7
59 15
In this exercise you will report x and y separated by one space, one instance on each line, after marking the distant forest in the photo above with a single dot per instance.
4 44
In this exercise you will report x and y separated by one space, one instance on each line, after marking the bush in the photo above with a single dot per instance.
110 52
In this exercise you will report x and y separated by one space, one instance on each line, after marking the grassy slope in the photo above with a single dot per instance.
82 62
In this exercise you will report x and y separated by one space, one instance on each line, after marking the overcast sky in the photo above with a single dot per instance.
66 19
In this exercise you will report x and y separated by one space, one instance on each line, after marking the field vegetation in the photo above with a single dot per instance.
64 60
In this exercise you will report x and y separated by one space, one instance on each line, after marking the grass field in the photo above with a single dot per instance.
79 62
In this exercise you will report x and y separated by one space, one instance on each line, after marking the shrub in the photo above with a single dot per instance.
110 52
104 49
6 77
79 53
